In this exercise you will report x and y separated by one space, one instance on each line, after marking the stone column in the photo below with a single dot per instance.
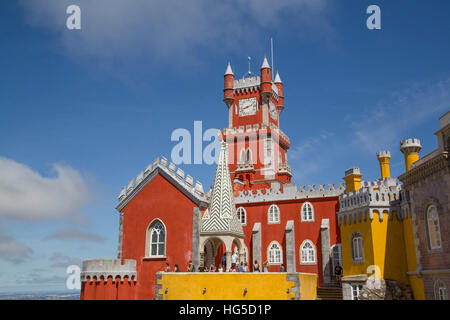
196 238
290 246
325 241
119 246
229 253
256 245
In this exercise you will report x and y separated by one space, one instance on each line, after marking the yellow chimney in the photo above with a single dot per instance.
352 179
410 149
384 157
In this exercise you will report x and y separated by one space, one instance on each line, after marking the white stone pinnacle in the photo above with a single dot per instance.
277 78
229 71
265 63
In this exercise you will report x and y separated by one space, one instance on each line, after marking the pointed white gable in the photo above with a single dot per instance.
222 216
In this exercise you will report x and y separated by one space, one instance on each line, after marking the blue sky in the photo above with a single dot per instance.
84 111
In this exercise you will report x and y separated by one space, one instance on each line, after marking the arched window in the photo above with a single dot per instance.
307 253
156 240
249 156
357 248
434 231
242 215
275 253
440 290
307 212
274 214
242 158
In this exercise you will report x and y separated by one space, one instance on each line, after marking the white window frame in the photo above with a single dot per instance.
357 247
440 290
239 212
303 253
278 215
148 240
434 221
356 287
269 255
304 217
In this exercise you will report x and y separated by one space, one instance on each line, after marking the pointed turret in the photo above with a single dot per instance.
279 85
266 79
222 218
228 91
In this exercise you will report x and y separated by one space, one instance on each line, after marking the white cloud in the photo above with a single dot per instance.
382 126
74 234
13 251
61 261
169 29
26 195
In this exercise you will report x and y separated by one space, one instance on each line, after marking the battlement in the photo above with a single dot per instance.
252 84
375 196
187 183
383 154
257 129
373 193
290 192
353 170
408 144
101 269
247 83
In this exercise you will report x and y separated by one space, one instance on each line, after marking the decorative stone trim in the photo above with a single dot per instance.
101 269
175 175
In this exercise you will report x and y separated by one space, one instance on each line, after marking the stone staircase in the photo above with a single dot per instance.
329 293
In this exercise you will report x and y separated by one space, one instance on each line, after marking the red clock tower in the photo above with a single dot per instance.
256 145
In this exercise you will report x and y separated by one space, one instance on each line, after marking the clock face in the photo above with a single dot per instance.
247 107
273 110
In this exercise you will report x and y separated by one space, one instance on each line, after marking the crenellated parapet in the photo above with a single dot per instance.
101 269
252 84
259 130
169 170
289 192
376 196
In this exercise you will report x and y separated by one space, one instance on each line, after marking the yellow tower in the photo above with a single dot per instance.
410 149
383 158
352 179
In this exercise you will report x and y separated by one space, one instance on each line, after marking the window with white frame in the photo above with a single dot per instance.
242 215
307 212
307 253
356 289
156 240
440 290
357 248
274 214
274 253
434 231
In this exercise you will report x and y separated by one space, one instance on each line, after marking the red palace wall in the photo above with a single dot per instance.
324 208
158 199
107 290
